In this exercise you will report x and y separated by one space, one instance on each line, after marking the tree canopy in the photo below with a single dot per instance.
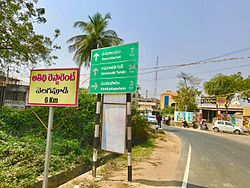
168 110
19 43
95 35
187 92
223 85
246 89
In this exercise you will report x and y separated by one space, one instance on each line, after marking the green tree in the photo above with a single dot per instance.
168 110
19 43
227 86
94 36
246 89
187 92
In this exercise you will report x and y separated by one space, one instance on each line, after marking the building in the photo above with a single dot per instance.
210 107
149 104
146 105
12 92
167 99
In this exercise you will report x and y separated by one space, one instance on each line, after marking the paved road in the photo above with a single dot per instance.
215 161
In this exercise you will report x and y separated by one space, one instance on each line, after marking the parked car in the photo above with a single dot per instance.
226 126
152 119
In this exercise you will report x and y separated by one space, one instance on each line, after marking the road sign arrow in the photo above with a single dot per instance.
95 70
96 56
95 86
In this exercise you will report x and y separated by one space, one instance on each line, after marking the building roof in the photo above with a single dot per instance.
169 92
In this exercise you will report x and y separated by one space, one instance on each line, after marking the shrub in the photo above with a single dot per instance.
23 140
140 128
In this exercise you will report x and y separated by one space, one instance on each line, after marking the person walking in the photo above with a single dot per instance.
159 118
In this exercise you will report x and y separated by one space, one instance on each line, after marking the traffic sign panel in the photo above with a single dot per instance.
108 70
126 52
114 69
117 85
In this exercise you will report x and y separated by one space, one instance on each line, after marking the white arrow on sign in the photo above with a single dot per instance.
95 86
95 70
96 56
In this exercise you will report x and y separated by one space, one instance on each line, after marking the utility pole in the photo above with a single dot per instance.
185 81
146 100
6 85
156 75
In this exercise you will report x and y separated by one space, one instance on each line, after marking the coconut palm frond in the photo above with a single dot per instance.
76 46
113 40
79 24
95 34
107 16
76 38
110 33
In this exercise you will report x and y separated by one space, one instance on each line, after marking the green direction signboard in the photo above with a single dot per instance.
128 52
114 69
116 85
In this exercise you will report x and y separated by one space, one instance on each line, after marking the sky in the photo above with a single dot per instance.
178 32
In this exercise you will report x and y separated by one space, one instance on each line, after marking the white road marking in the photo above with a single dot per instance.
186 174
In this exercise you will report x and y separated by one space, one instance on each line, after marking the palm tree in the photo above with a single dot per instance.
94 36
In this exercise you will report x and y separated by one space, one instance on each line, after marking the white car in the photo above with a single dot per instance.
152 119
226 126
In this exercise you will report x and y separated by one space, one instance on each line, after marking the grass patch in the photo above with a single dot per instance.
22 160
23 140
87 183
139 153
143 151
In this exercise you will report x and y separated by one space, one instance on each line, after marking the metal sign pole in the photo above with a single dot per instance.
48 148
129 136
96 134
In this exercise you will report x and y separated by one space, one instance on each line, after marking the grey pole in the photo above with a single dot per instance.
129 136
48 148
96 134
6 85
156 75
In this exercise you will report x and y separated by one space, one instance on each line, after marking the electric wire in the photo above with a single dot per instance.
199 73
208 59
168 67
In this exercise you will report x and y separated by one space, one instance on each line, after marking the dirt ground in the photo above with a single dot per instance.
156 170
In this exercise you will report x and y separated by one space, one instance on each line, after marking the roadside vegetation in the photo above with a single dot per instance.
228 86
23 140
188 89
140 153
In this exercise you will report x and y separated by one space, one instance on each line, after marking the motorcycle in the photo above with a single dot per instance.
184 124
203 126
194 125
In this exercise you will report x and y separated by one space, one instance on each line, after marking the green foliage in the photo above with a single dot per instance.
23 159
23 140
77 122
95 35
222 85
140 128
185 99
68 122
20 122
19 44
187 92
168 110
246 89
